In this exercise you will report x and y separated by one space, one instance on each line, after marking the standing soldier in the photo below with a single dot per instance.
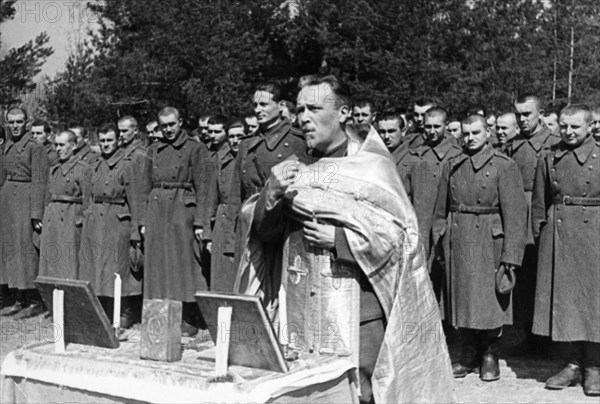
63 216
424 166
173 218
506 130
222 265
110 227
566 219
83 151
22 201
534 138
274 142
4 297
416 137
595 124
41 131
480 212
364 111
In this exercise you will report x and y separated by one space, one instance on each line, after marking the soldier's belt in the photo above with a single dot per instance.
478 210
172 185
18 179
108 199
576 200
66 199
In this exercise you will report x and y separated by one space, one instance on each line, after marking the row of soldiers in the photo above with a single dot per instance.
493 197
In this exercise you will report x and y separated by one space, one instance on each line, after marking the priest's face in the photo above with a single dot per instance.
320 116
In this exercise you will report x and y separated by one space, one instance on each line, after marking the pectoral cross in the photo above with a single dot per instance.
297 271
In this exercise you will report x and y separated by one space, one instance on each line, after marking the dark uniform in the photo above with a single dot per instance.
63 218
86 154
175 174
222 265
525 151
51 153
22 200
110 225
480 218
253 164
566 219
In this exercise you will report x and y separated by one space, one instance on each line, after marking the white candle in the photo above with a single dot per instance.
283 338
117 303
58 316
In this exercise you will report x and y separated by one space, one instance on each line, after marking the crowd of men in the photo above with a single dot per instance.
507 206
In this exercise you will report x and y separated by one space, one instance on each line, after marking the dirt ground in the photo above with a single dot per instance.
522 379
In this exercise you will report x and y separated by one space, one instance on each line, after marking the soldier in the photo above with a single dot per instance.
5 298
364 111
390 127
416 137
480 215
41 131
22 200
83 151
595 124
154 133
506 130
566 219
173 218
217 136
202 131
550 118
453 129
222 265
276 141
252 123
424 165
534 137
110 227
63 215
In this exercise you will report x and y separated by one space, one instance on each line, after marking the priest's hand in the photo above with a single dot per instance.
282 176
319 235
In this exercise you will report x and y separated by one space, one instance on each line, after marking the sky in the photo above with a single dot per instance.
65 21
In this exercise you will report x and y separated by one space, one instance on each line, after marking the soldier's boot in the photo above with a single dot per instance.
469 360
591 364
189 319
16 305
33 305
490 358
570 375
130 311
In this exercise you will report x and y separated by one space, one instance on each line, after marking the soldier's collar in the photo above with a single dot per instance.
540 136
399 152
22 143
480 159
582 152
114 159
275 134
67 165
132 146
224 152
440 150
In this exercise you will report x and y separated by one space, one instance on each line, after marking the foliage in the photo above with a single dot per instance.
207 55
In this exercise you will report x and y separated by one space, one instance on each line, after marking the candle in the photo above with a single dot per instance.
283 338
117 303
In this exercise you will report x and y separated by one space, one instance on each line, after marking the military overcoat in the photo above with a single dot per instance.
253 164
63 218
21 200
480 215
176 174
110 225
222 267
566 219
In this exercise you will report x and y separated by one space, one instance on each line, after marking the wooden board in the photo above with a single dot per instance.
85 320
253 341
